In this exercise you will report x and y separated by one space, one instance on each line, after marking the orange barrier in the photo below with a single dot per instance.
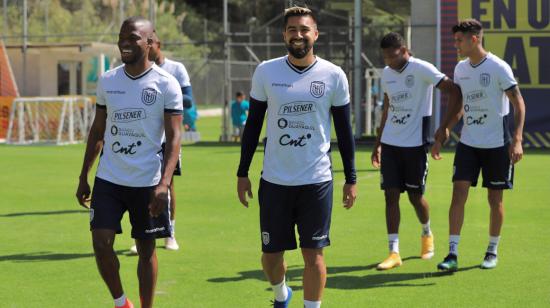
5 107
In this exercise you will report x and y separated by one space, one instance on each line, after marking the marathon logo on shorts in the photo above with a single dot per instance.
155 230
265 238
318 238
317 89
485 79
296 108
148 96
91 215
128 115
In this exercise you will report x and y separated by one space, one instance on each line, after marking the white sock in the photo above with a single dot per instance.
426 230
493 244
393 240
312 304
119 302
173 223
280 290
453 244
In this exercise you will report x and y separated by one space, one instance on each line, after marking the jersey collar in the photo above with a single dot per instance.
480 62
140 75
292 67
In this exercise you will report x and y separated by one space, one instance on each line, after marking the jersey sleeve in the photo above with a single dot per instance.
340 96
505 77
258 89
183 76
101 101
430 74
173 100
456 75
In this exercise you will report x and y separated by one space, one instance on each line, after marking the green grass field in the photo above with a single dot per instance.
46 257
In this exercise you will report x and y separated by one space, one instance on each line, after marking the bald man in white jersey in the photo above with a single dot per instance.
402 143
138 107
299 92
488 86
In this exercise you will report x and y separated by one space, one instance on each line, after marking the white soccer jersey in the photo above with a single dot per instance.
132 154
298 118
484 101
177 70
410 93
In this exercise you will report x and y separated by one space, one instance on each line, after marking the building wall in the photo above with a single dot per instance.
424 29
41 77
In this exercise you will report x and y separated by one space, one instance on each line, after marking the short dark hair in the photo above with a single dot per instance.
472 26
392 40
239 94
298 11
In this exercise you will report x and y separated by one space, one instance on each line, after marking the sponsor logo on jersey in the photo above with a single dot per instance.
317 89
400 97
296 108
394 108
281 84
474 108
148 96
128 115
130 149
476 120
484 79
401 120
128 132
409 81
475 96
287 140
284 123
265 238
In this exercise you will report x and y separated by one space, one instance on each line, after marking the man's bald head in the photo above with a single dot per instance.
135 40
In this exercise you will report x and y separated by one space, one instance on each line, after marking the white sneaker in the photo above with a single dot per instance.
133 250
171 244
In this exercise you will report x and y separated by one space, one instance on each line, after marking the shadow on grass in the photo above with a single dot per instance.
44 213
337 281
51 256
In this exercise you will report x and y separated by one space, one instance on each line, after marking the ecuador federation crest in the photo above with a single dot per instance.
317 89
148 96
484 79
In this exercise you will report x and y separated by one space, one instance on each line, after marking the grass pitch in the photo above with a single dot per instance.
46 258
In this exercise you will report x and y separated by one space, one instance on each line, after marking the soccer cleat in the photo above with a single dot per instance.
277 304
133 250
128 304
427 251
394 260
171 244
449 264
490 261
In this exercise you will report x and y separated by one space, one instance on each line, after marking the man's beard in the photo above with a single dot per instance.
298 53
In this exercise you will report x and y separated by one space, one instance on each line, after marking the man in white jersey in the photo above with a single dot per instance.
138 104
300 92
402 143
177 70
487 85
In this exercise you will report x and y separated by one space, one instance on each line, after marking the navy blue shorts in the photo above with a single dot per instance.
282 207
495 164
110 201
404 168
